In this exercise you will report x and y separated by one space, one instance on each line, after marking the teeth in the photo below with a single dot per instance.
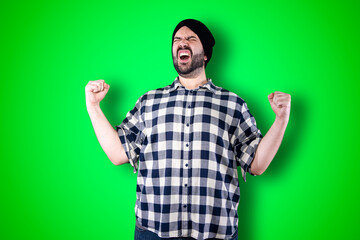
184 54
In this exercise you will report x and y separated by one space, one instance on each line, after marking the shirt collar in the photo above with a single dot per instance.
209 85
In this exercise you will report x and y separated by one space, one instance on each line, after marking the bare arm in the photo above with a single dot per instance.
108 138
269 145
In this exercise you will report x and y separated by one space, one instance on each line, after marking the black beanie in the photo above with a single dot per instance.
206 38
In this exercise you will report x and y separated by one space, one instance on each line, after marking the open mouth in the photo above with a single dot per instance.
184 56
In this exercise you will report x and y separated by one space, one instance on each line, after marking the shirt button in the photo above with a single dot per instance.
184 206
187 124
187 144
185 185
186 165
191 91
189 106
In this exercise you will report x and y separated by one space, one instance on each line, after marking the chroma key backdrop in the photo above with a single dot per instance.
56 181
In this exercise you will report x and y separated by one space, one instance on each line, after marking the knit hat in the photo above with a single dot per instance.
206 38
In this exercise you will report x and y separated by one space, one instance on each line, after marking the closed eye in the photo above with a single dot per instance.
190 38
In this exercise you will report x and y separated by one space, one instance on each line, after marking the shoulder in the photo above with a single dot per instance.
232 100
155 93
227 95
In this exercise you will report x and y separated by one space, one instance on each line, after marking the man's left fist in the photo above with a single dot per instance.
280 104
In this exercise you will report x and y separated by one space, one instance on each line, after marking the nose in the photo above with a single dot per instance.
184 43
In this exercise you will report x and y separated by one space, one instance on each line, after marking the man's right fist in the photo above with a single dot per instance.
95 91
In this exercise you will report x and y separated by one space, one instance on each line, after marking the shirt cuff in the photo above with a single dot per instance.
130 153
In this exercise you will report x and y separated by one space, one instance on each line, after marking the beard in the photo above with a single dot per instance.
192 70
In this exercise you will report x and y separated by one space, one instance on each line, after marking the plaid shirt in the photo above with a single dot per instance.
186 146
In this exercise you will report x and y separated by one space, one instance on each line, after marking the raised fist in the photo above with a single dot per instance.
95 91
280 103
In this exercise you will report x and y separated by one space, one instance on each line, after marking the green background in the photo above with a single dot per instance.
57 183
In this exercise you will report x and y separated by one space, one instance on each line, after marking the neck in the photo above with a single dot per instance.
193 82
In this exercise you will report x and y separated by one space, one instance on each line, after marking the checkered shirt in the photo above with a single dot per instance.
185 146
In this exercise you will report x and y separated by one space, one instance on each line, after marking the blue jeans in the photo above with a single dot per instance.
141 234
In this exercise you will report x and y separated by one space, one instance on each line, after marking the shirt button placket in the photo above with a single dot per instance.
187 149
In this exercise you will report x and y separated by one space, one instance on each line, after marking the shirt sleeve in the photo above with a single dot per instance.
246 140
131 134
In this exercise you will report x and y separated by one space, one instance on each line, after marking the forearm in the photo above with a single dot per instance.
268 146
107 136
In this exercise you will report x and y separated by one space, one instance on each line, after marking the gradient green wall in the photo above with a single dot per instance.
57 183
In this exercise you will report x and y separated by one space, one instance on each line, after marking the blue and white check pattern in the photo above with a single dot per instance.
186 146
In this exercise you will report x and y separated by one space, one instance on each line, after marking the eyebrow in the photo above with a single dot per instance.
186 38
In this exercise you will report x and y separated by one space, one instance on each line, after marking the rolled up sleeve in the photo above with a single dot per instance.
131 134
246 140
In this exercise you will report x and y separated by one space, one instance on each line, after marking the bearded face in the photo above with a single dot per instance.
188 53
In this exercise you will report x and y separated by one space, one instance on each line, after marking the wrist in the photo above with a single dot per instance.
282 120
92 107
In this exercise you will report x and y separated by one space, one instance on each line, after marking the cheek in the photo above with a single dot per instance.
198 49
174 49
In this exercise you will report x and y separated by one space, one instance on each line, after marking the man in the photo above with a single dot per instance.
185 141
